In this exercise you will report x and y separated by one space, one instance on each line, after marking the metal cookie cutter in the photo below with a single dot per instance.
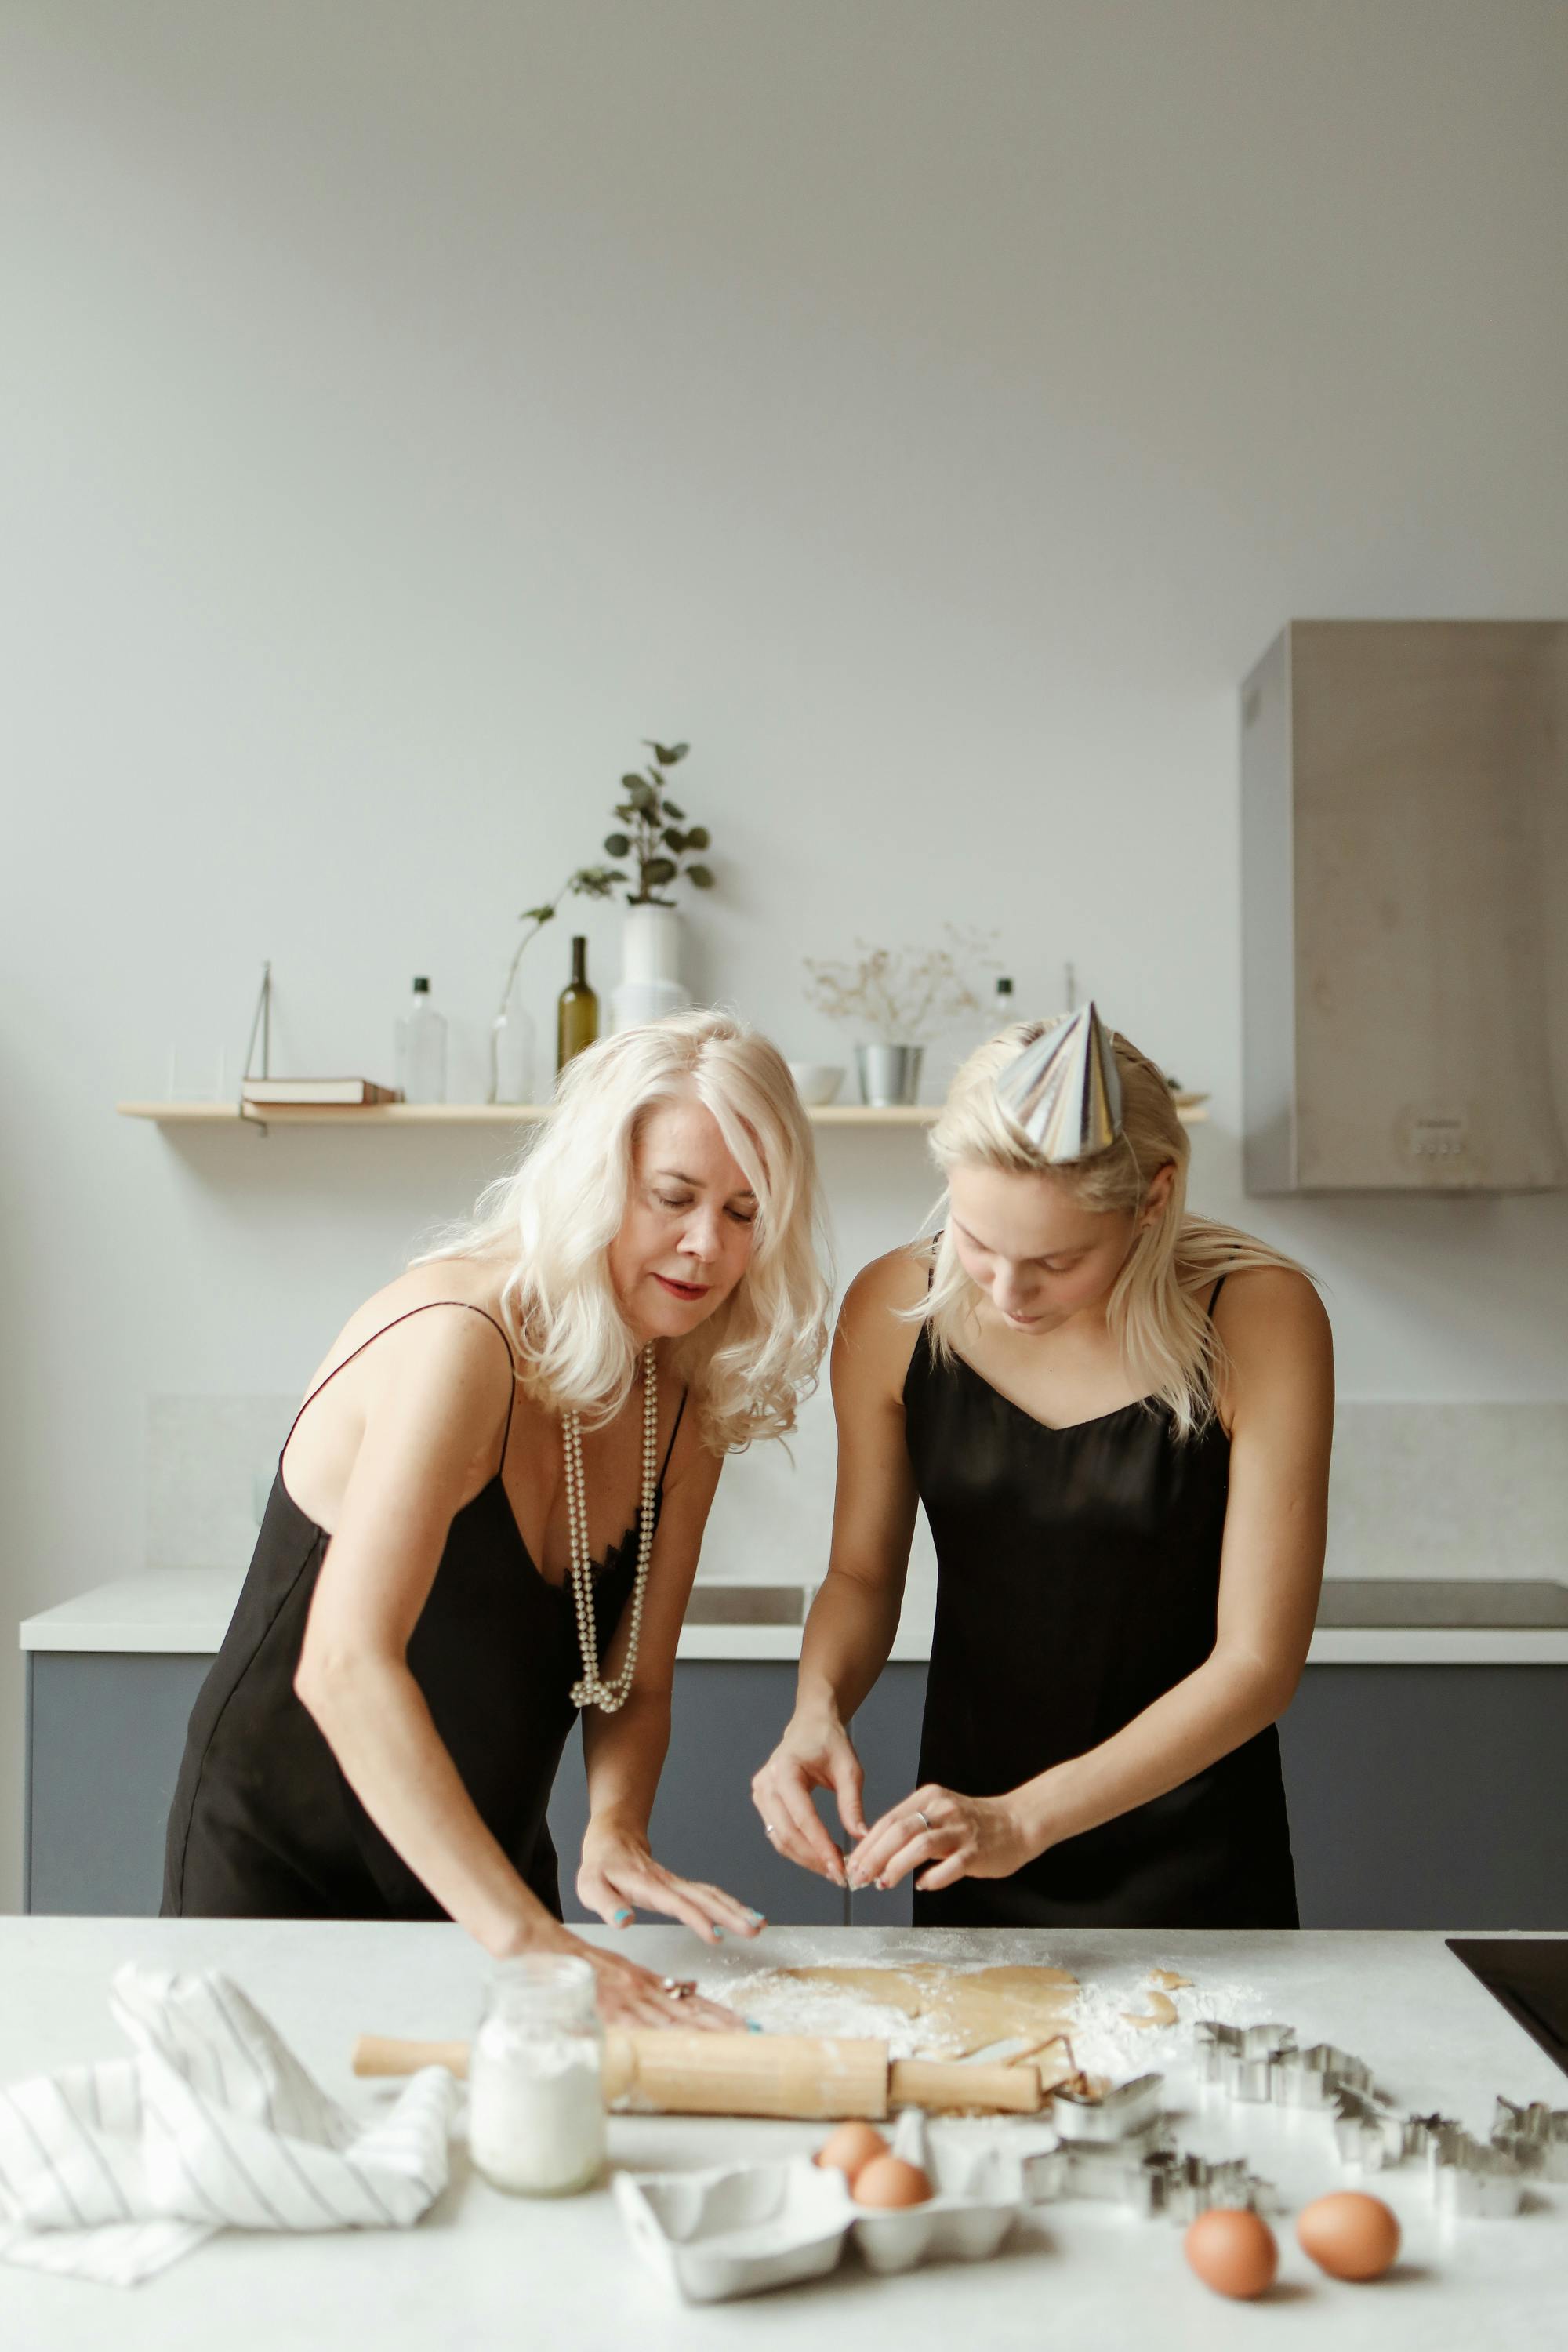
1316 2077
1370 2131
1472 2178
1127 2110
1101 2146
1239 2057
1117 2172
1536 2136
1186 2186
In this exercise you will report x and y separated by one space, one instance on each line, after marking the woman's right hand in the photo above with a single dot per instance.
633 1996
816 1752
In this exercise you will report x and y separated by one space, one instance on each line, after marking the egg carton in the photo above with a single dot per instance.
739 2230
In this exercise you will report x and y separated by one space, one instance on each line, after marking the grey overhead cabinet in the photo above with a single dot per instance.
1405 908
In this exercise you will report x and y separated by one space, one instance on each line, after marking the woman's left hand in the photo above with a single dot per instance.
619 1877
944 1836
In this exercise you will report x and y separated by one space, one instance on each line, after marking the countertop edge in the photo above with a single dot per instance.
185 1612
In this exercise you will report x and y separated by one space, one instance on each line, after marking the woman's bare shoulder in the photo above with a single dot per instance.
461 1283
1260 1297
875 1329
890 1284
1276 1333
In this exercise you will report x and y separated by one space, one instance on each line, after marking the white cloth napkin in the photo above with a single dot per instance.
113 2172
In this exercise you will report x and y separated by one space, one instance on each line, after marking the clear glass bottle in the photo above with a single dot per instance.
420 1048
512 1055
536 2100
577 1009
1004 1011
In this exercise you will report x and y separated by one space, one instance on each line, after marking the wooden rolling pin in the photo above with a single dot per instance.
812 2078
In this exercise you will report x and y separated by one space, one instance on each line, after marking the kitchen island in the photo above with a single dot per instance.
484 2270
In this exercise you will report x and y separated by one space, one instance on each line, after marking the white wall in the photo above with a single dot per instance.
930 410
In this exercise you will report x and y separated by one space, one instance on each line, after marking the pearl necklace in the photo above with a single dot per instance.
592 1691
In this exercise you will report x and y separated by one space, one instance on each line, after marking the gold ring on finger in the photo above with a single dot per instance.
678 1987
922 1821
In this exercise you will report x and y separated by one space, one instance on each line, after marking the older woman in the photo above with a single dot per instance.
1118 1418
488 1514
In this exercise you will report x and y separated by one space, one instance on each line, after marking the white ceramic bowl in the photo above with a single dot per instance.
818 1082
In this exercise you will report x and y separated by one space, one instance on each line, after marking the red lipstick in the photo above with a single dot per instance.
687 1290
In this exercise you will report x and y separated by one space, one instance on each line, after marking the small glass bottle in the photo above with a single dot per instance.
421 1050
1003 1009
577 1009
536 2099
511 1052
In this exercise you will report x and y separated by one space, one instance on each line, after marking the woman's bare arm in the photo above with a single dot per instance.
855 1616
436 1396
1280 1396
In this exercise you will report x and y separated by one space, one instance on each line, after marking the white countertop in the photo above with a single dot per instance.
487 2270
188 1608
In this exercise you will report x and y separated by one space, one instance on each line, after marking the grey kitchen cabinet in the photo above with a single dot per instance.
1420 1796
106 1731
726 1719
886 1735
1427 1796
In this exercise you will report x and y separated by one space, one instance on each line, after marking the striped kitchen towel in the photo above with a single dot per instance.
113 2172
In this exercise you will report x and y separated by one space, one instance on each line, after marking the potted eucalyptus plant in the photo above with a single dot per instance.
655 835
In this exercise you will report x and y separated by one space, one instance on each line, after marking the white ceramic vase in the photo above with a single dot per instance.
649 986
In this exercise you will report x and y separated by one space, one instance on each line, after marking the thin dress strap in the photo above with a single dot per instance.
1214 1295
674 1433
469 1309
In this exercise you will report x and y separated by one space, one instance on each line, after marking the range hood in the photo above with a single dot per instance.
1405 908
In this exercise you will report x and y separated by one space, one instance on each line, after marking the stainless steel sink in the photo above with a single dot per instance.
1407 1602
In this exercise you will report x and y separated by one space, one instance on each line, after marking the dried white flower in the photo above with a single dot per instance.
904 996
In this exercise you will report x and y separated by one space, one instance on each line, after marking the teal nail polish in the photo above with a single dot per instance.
752 2025
621 1918
718 1935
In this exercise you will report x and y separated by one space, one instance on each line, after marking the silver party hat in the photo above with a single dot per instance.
1064 1090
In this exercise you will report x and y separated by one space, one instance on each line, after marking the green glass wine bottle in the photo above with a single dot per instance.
576 1010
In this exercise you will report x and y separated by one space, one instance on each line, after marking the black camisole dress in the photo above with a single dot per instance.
1078 1580
264 1824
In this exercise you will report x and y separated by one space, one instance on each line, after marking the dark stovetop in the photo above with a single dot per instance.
1529 1974
1523 1605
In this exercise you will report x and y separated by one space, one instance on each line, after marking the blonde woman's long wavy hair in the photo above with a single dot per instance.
752 1362
1158 1308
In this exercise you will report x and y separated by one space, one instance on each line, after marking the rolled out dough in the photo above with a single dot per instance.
965 2010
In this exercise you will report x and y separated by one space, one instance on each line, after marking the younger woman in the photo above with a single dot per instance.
1118 1417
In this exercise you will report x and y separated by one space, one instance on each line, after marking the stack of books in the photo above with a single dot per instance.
279 1093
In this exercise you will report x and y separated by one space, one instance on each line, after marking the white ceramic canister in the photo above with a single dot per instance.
536 2101
650 985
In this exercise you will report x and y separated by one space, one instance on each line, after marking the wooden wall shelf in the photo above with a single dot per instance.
215 1114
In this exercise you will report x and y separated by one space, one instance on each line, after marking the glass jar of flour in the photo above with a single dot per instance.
536 2101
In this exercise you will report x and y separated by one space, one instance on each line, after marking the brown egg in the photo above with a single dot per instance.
1233 2251
850 2148
888 2180
1348 2235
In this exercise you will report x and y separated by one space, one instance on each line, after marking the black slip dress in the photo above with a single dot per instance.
1078 1580
264 1824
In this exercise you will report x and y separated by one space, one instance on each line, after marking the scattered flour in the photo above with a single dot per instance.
1103 2041
779 2005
